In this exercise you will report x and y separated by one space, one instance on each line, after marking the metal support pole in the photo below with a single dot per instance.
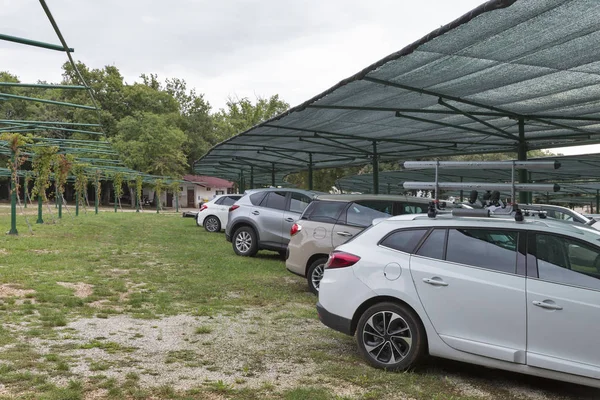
176 195
461 191
76 203
96 195
547 198
13 201
597 201
242 183
40 204
251 177
157 199
116 201
137 200
375 169
310 172
522 156
59 198
273 174
25 191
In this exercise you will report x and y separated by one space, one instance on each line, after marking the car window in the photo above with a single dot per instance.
298 202
275 200
228 200
219 200
384 206
362 216
256 198
559 215
484 248
434 245
405 240
567 261
324 211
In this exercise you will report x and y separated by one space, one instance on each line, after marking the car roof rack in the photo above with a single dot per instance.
492 205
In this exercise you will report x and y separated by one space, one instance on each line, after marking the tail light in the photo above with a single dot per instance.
233 207
204 207
295 229
339 259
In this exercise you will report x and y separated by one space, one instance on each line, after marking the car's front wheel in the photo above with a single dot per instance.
390 336
315 274
245 242
212 224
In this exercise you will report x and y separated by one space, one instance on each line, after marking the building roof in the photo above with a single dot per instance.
509 73
208 181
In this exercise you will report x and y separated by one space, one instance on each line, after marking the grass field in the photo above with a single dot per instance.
147 306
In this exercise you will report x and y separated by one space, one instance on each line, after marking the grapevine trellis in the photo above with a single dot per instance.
61 160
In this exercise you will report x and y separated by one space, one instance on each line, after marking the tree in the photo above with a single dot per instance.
151 143
242 115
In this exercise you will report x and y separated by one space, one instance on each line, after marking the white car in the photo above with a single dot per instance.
214 214
519 296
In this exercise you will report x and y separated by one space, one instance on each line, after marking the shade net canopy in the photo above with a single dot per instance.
510 75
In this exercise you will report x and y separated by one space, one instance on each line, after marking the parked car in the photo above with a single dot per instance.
263 217
213 215
518 296
331 220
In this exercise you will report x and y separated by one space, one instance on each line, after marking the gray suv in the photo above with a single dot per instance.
262 219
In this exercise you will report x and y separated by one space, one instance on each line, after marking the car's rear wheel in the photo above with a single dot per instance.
390 336
315 274
245 242
212 224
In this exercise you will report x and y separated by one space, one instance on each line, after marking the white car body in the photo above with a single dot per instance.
517 321
217 208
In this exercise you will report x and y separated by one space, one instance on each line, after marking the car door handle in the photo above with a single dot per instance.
547 306
289 220
435 282
345 234
255 212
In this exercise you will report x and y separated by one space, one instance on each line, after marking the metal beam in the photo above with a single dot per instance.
478 131
42 85
522 156
310 172
375 169
34 43
474 118
10 121
58 103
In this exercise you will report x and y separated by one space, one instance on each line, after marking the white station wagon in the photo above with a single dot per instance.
520 296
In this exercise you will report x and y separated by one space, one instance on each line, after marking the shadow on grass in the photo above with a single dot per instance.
505 379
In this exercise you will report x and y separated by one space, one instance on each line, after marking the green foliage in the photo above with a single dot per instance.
81 180
42 167
158 188
151 143
62 166
118 184
242 115
139 182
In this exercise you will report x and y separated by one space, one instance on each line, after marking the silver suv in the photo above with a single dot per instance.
331 220
262 219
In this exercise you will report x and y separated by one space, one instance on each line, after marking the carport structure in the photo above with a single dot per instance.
509 76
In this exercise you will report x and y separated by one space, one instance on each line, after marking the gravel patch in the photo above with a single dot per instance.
82 290
246 350
14 290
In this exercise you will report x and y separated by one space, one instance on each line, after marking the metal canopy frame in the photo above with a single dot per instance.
478 85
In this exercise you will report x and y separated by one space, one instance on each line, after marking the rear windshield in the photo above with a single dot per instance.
229 200
324 211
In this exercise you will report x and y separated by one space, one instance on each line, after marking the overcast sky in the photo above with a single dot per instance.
243 48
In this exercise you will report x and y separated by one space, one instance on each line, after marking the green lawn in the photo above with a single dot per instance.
252 332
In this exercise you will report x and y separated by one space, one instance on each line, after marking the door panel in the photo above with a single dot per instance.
472 309
342 233
563 339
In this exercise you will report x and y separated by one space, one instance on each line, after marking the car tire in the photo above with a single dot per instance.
315 274
212 224
245 242
399 351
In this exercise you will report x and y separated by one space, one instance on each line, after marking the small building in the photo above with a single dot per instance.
200 189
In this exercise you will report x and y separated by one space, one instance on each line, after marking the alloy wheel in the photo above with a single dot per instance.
317 275
243 241
212 224
387 337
